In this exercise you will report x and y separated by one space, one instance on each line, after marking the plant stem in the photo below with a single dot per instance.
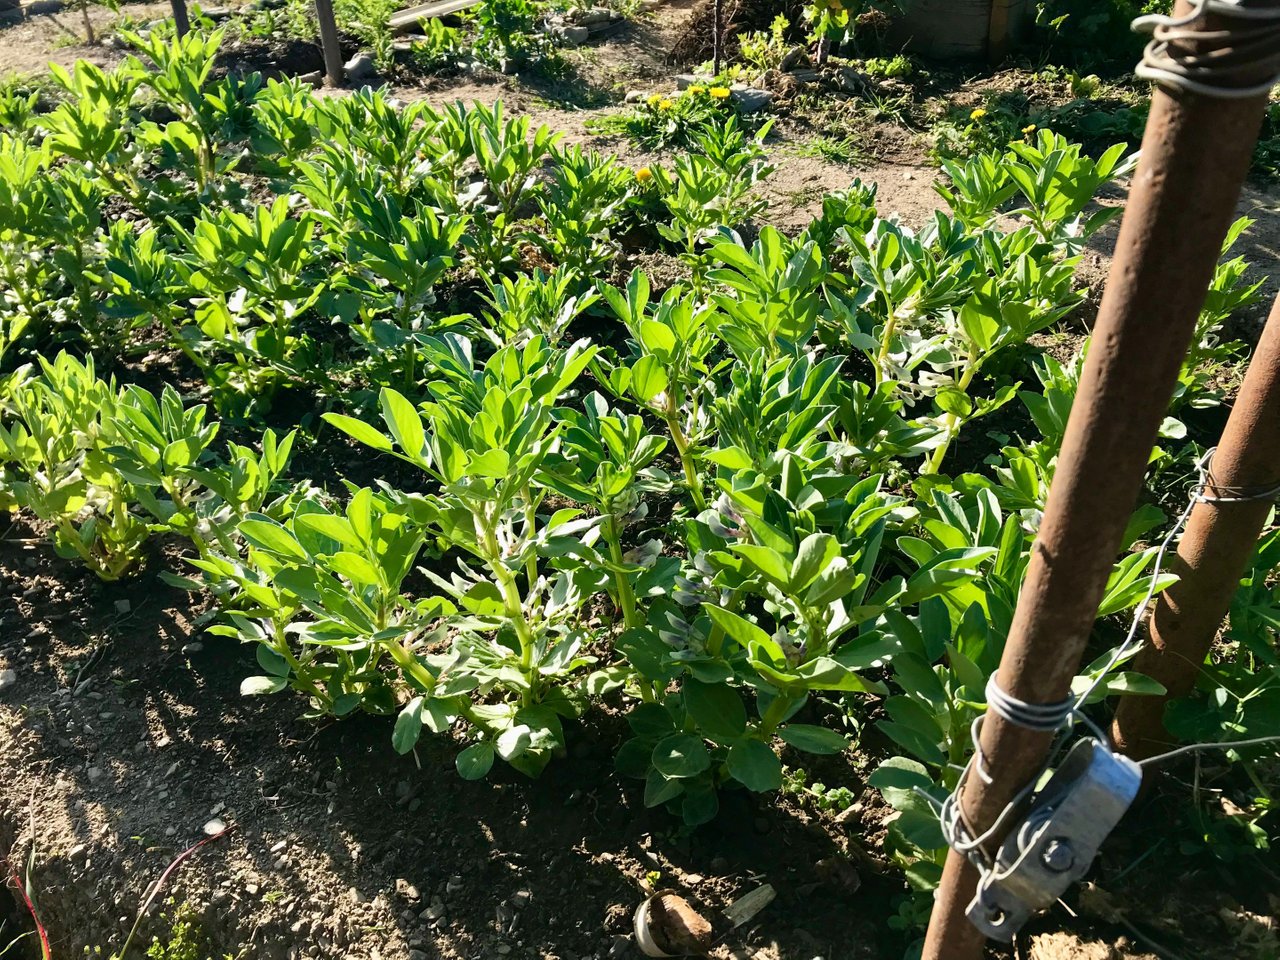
773 716
686 458
951 422
626 597
513 607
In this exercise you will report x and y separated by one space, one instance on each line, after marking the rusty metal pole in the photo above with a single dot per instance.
181 22
1195 154
1214 552
333 72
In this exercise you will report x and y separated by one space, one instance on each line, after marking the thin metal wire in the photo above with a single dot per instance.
1208 745
1213 63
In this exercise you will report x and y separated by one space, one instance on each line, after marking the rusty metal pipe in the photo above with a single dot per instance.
1195 154
1214 552
334 73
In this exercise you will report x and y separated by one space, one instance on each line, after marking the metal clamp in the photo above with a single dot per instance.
1055 843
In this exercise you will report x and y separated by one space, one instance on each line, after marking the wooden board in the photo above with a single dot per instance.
406 21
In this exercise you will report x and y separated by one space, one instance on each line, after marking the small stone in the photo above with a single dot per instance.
575 37
355 896
7 679
504 949
793 58
94 774
279 847
635 96
454 885
170 831
407 890
217 809
314 78
693 879
123 606
251 889
520 899
215 826
360 66
216 13
686 80
434 912
750 100
77 852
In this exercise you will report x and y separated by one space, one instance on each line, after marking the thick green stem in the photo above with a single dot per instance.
774 715
886 342
951 422
513 607
626 597
686 460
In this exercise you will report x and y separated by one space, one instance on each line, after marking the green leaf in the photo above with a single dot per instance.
658 789
405 424
755 766
359 430
812 556
681 755
717 709
812 739
475 761
259 686
408 726
736 628
648 378
266 534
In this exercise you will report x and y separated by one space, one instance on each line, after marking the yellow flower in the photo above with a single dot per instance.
1030 129
666 104
654 99
978 114
720 93
697 90
644 175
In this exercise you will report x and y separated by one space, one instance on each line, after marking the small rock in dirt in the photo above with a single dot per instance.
314 78
407 890
686 80
793 58
77 852
750 100
123 606
575 37
360 66
215 826
454 885
693 879
216 13
520 899
7 679
94 774
279 847
635 96
251 889
355 896
170 831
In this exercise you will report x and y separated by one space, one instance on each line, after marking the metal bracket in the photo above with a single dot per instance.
1055 843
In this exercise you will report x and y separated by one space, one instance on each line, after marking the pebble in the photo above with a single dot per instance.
94 774
407 890
77 852
520 899
251 889
355 896
279 847
216 825
504 948
360 66
454 885
7 679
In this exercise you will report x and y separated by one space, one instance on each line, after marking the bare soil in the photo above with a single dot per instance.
125 735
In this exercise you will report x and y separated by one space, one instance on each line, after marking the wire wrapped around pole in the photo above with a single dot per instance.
1221 61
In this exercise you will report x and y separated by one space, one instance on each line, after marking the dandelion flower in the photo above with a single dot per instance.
644 175
1029 129
978 114
720 93
697 90
666 104
654 99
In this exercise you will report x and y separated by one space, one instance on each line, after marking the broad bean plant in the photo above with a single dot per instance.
747 504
